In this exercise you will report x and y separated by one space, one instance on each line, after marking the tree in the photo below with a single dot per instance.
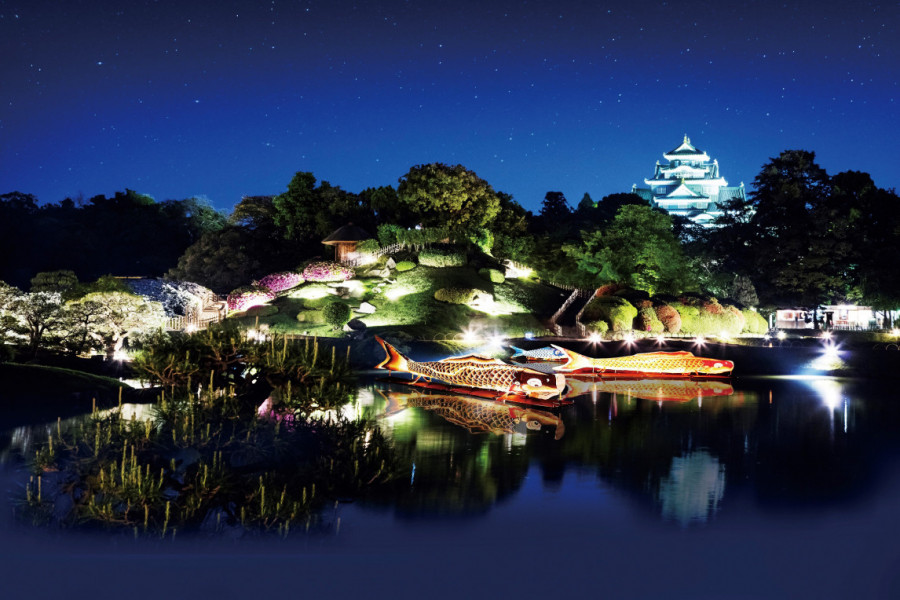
554 208
637 249
32 316
62 282
586 204
309 213
510 228
77 324
609 206
868 226
444 196
224 260
790 249
387 207
118 315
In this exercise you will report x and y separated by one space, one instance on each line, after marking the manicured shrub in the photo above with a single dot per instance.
435 257
405 265
326 271
618 313
600 327
754 322
279 282
492 275
669 318
244 297
336 314
705 316
647 321
456 295
690 318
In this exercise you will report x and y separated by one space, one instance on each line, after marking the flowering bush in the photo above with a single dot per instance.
279 282
327 271
244 297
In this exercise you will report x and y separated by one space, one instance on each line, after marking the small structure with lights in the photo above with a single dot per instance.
345 240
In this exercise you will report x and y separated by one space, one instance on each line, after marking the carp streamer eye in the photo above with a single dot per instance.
717 365
533 425
534 382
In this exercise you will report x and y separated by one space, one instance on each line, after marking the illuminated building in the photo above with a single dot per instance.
689 185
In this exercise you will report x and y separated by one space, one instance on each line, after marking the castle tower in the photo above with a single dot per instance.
689 185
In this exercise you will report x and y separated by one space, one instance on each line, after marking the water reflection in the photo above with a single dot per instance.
693 488
476 416
21 441
662 390
675 446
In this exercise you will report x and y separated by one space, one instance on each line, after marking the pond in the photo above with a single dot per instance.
759 487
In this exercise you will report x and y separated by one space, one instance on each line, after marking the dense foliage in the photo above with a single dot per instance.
127 234
801 238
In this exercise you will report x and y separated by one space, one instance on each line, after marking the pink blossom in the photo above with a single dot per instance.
327 271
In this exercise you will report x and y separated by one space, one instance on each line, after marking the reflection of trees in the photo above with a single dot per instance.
451 470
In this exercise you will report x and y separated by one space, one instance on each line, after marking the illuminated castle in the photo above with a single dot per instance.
689 185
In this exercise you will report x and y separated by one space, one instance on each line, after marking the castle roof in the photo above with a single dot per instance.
686 150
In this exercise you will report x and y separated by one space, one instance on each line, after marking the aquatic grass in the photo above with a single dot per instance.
207 462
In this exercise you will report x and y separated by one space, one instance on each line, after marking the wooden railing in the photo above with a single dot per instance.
576 293
366 258
579 326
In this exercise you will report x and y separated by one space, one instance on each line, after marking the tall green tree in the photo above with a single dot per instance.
790 249
638 249
448 196
309 213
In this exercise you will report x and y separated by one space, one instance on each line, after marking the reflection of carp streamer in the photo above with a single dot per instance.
668 363
671 390
478 416
478 372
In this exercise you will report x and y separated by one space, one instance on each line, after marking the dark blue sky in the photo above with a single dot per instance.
224 99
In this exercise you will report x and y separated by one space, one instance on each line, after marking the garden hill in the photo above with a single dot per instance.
406 303
444 296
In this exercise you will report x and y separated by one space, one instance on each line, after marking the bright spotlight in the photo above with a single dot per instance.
595 338
469 336
826 335
629 338
699 341
496 340
660 339
781 335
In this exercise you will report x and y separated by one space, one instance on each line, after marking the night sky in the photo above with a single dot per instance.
225 99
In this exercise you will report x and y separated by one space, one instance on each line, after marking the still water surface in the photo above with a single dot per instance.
762 487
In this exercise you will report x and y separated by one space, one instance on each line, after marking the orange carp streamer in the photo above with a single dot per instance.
478 372
663 363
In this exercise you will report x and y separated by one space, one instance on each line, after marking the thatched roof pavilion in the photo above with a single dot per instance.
345 240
